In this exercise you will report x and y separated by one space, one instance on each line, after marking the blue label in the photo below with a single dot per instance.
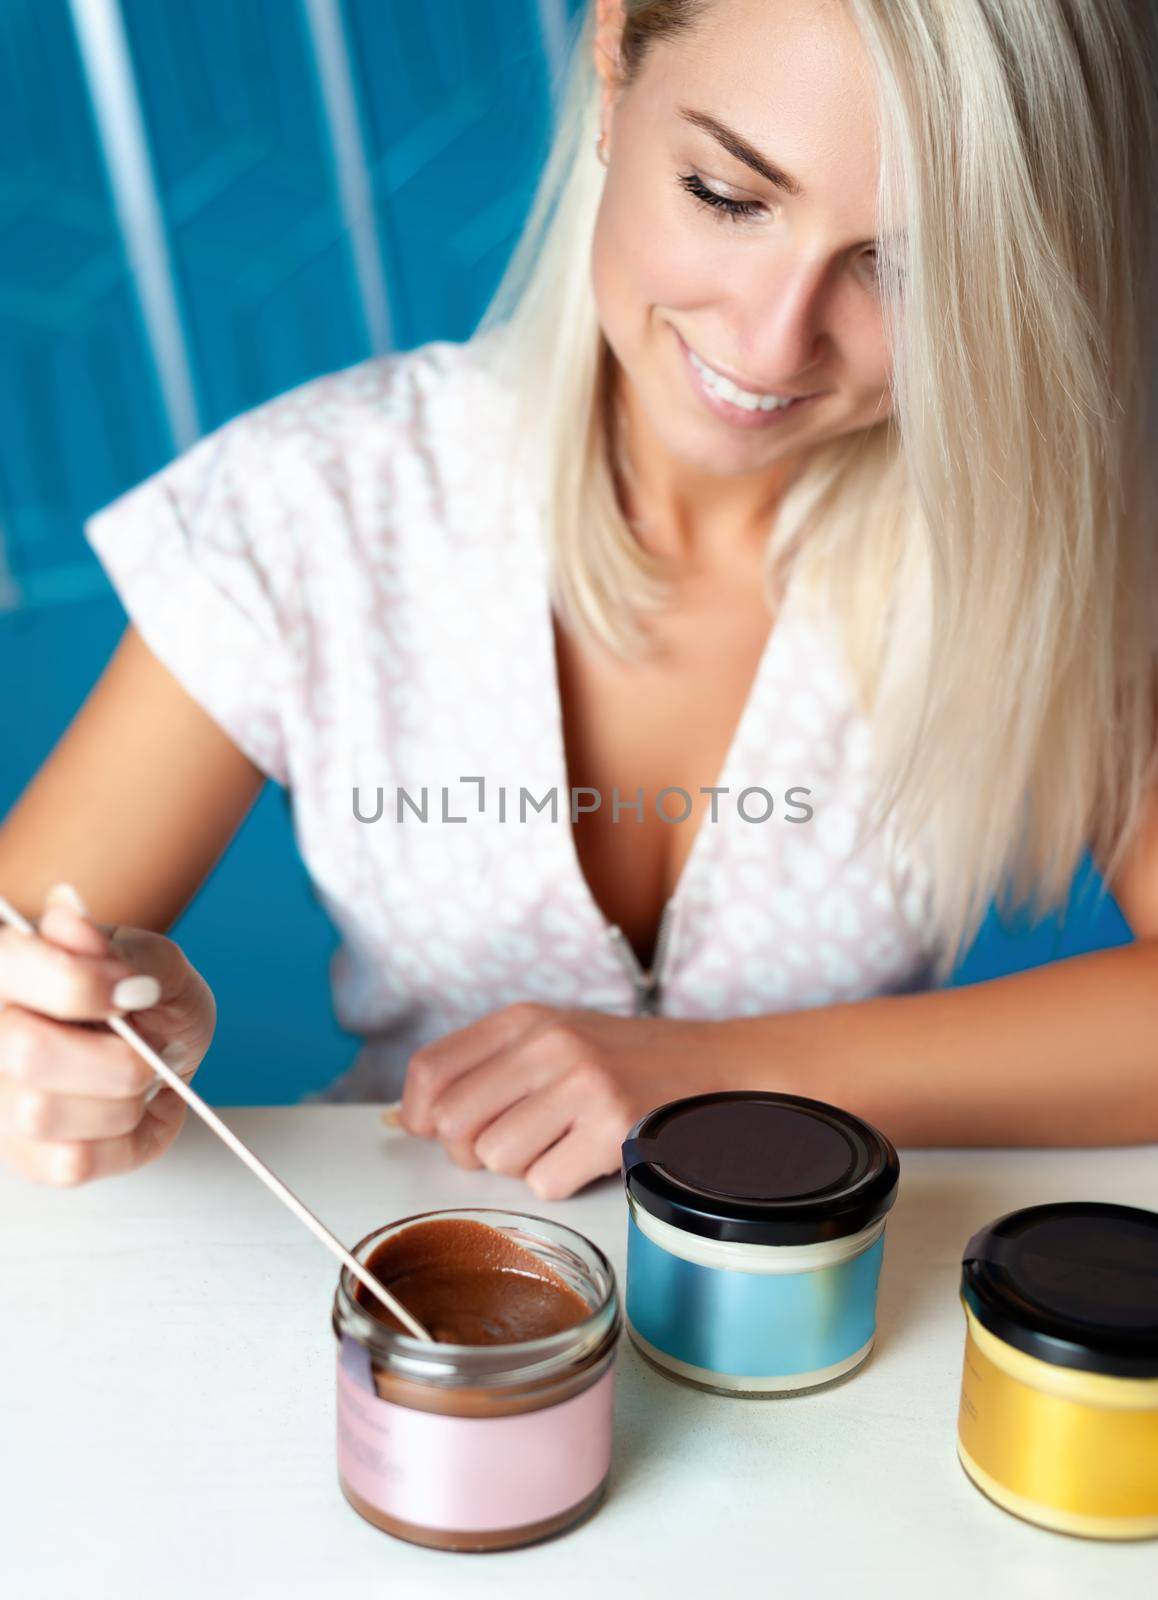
751 1324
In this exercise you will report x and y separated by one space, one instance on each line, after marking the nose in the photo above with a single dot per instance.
779 318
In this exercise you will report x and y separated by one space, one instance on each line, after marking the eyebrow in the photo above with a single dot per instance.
739 147
736 145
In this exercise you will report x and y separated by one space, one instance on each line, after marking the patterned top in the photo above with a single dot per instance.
340 579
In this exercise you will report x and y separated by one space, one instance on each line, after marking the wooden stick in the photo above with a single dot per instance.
258 1167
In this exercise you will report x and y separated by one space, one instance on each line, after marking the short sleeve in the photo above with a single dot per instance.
200 556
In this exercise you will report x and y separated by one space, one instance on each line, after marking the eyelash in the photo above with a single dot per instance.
732 210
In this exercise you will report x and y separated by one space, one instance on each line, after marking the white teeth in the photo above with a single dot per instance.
727 390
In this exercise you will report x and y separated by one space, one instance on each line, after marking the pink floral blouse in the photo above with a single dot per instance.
339 578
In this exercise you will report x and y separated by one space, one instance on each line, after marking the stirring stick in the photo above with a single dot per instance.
272 1182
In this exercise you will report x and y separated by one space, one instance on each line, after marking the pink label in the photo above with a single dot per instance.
471 1473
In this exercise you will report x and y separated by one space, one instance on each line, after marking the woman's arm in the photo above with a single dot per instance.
1065 1054
135 804
133 807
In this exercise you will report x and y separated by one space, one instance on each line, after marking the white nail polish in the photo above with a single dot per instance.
63 1168
65 894
181 1059
136 993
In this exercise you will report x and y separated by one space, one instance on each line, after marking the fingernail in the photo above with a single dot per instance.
64 894
137 993
63 1169
180 1058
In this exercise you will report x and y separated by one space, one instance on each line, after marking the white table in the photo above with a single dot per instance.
168 1412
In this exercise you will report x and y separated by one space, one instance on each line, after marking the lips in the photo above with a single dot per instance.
735 415
746 399
741 383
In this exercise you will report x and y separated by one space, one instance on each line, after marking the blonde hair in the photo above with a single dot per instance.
988 550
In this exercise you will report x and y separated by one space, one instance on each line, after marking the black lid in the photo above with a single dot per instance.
760 1168
1075 1284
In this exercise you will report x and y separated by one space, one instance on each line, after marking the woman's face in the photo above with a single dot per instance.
780 296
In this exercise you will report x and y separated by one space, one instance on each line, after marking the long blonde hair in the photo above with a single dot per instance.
988 551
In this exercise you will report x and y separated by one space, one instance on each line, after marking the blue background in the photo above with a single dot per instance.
329 178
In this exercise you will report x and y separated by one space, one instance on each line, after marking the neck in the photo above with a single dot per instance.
694 518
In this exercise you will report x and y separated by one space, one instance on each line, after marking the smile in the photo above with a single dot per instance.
729 400
731 391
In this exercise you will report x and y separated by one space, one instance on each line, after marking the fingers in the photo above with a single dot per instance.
76 1101
520 1092
34 1114
66 927
563 1135
521 1135
76 929
65 1163
183 1064
43 976
474 1100
579 1157
62 1080
78 969
437 1065
461 1152
37 1052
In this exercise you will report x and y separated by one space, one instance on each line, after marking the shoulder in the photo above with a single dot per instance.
346 464
347 421
410 399
403 441
322 468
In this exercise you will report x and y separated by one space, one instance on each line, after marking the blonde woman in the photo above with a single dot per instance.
801 477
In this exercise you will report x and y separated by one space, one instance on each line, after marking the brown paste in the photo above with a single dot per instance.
469 1283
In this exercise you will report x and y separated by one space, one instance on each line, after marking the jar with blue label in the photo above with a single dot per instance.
755 1238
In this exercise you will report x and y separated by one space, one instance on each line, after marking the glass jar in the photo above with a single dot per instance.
479 1447
755 1238
1059 1391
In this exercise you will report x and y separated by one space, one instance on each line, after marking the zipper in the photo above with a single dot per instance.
646 983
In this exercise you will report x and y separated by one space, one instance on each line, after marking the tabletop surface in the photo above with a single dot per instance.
168 1397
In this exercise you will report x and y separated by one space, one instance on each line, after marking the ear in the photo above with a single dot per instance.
609 20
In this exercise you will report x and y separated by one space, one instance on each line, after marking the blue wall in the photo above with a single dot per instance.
203 203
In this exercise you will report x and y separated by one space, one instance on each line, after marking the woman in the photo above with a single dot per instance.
799 476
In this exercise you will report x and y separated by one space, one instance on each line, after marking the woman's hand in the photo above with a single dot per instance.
548 1094
76 1101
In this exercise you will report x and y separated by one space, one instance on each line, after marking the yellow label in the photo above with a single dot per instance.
1092 1460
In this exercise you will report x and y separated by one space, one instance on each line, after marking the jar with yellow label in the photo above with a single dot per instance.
1059 1396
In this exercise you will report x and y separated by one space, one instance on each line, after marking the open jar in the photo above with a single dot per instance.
478 1446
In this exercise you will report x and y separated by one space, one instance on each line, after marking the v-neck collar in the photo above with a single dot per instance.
547 675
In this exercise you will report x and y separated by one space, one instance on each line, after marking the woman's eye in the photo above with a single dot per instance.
740 210
881 279
737 210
